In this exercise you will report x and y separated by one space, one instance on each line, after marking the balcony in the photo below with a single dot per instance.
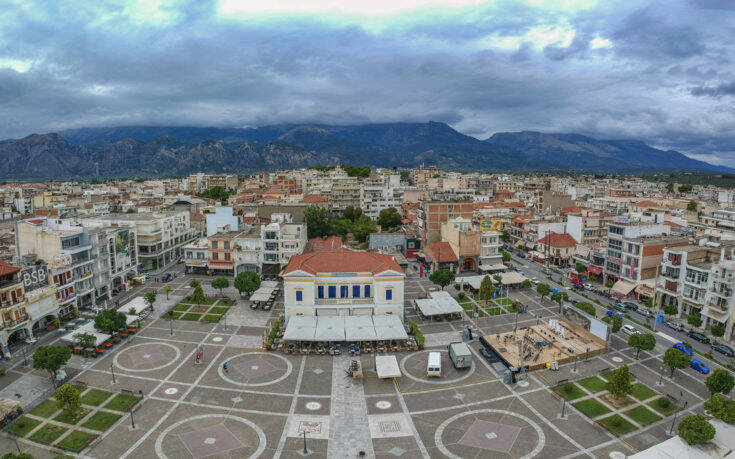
11 303
18 321
343 301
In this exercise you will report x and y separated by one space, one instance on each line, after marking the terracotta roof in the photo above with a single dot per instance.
6 269
442 252
559 240
318 244
646 204
673 225
314 198
503 192
342 261
571 209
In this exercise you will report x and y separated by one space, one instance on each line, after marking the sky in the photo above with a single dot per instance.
659 71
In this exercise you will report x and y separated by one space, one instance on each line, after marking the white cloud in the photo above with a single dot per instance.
600 43
371 8
19 65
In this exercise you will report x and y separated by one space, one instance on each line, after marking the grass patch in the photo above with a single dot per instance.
45 409
48 434
663 405
199 309
122 402
593 384
218 310
76 441
23 425
494 311
176 315
211 318
67 417
570 391
101 420
642 392
607 376
191 316
95 397
512 308
182 307
225 302
504 301
642 415
617 424
591 408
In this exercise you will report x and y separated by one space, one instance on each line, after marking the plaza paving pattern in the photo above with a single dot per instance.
266 401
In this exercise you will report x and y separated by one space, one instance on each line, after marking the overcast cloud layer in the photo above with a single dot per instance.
660 71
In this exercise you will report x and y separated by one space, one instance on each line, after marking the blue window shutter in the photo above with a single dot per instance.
343 291
320 291
367 291
299 295
389 294
355 291
332 291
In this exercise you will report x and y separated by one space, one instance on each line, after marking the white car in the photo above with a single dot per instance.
629 329
534 280
589 287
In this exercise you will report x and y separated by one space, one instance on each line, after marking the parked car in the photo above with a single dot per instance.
485 353
167 277
698 336
619 307
683 348
644 312
722 349
613 313
589 286
629 329
699 366
534 280
630 306
678 326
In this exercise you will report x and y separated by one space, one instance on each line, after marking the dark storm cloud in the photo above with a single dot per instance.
615 70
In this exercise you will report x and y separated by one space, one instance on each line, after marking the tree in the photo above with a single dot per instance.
589 308
497 278
692 206
505 255
352 213
220 283
317 221
559 297
85 340
720 381
150 298
617 324
621 382
686 188
363 227
389 218
721 407
486 289
671 310
442 277
580 268
695 429
674 358
670 187
247 281
51 358
609 283
526 283
20 455
194 283
641 341
197 296
717 330
694 320
543 289
110 321
67 398
168 290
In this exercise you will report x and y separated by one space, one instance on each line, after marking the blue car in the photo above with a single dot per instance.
699 366
613 313
682 347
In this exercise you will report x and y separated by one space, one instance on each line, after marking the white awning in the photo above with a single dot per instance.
497 267
300 328
389 327
138 304
511 278
272 284
439 303
330 328
623 288
260 297
581 251
89 329
383 327
473 281
387 366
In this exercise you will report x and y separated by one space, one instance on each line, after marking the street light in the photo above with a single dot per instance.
132 419
112 369
673 421
306 451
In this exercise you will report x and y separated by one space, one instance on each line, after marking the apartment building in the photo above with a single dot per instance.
465 242
375 198
13 307
343 282
556 249
491 259
526 230
587 228
343 193
282 239
438 212
227 181
222 252
161 236
40 295
196 256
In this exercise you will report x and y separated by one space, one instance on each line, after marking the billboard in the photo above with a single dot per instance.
122 242
575 316
34 277
491 225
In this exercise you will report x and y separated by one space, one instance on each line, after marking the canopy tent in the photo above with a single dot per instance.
646 287
345 328
387 366
259 297
496 267
511 278
269 284
129 320
88 328
330 328
360 333
623 288
389 327
473 281
138 304
300 328
438 303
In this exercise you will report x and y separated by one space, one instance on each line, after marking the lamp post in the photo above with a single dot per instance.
25 356
112 370
225 317
673 421
563 414
132 419
171 324
306 451
661 376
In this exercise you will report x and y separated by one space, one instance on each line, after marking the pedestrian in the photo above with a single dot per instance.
226 367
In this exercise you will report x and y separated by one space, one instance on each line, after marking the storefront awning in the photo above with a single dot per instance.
594 270
623 288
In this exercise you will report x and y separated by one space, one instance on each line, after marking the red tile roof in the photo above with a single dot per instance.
342 261
571 209
559 240
6 269
503 192
318 244
646 204
442 252
314 198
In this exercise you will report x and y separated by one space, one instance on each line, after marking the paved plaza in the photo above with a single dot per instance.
265 402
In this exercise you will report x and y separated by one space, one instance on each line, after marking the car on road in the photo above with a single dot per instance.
674 325
534 280
722 349
613 313
699 366
629 329
167 277
698 336
644 312
630 306
589 287
619 307
487 354
683 348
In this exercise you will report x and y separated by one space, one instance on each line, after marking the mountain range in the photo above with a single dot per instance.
165 151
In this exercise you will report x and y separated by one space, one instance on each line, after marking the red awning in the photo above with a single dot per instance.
594 270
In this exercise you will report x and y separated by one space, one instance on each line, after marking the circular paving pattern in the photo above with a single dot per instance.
523 383
217 339
313 406
253 369
146 357
616 455
383 404
211 435
171 391
616 359
446 366
487 434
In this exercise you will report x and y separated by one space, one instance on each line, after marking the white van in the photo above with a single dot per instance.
434 365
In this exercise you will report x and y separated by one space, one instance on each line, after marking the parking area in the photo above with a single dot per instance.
264 402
